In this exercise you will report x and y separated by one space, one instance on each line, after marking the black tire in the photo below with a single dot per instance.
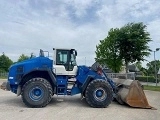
37 92
98 94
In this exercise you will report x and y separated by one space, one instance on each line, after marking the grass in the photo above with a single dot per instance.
3 77
153 88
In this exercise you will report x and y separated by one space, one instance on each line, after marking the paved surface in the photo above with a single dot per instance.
71 108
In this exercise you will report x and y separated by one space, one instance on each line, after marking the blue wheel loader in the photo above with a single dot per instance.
39 78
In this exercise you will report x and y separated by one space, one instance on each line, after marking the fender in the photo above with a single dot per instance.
37 73
87 81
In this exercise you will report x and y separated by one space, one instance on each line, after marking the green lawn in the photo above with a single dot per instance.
153 88
3 77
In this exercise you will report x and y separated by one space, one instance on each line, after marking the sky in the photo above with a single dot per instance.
26 26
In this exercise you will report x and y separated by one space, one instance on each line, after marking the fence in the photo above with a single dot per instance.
122 75
3 74
110 75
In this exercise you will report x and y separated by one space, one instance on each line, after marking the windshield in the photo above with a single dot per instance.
62 57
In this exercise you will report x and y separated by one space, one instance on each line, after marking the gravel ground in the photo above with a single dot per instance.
72 107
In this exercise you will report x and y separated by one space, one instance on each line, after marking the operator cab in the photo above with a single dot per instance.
65 62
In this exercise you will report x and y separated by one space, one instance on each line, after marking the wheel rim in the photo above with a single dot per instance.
36 93
100 94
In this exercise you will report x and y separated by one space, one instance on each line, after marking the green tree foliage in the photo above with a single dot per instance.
138 65
129 43
133 42
107 52
23 57
151 67
5 63
142 69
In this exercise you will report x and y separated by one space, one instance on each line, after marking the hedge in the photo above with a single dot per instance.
150 79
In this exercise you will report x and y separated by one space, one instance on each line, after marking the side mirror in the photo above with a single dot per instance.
75 53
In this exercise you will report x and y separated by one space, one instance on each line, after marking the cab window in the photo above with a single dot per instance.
62 57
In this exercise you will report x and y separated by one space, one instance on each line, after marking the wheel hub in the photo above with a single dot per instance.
36 93
100 94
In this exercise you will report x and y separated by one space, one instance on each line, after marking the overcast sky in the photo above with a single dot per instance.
29 25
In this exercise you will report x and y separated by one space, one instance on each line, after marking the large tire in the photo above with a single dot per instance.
37 92
98 93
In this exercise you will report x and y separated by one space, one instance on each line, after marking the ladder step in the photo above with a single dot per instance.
68 91
61 90
71 82
60 94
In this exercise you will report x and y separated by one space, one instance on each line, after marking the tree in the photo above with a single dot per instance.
107 52
128 43
133 42
5 63
138 65
142 69
22 57
151 67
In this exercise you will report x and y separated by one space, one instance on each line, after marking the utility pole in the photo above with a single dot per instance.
155 66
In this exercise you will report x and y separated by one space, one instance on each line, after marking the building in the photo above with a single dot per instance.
131 69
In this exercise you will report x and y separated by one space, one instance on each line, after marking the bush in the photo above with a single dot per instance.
150 79
154 88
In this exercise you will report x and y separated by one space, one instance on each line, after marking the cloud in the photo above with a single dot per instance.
29 25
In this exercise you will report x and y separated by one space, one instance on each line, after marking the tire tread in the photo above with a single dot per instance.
43 81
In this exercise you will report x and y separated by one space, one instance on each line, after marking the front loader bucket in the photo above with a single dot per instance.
131 93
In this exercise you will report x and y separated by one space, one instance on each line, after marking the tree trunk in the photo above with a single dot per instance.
126 63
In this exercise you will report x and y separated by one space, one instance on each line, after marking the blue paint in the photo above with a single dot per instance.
84 72
75 90
61 87
100 94
36 93
28 65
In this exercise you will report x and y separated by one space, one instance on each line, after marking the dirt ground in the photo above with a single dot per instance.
72 107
